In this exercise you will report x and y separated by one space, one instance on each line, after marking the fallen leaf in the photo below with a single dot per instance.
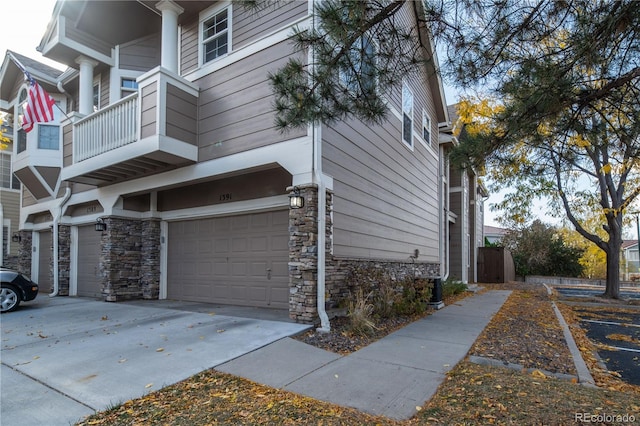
148 386
160 350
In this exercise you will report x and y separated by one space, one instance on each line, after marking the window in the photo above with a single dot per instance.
214 31
128 86
22 101
22 141
361 78
426 127
96 96
407 115
5 170
48 137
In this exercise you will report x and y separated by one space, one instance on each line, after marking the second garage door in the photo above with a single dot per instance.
239 260
89 282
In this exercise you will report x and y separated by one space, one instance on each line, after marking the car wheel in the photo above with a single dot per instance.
9 299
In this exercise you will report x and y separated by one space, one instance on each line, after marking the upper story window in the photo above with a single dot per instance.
22 141
361 77
48 137
96 95
215 35
7 179
407 115
426 127
128 86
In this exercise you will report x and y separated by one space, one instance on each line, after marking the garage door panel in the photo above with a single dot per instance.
242 249
89 283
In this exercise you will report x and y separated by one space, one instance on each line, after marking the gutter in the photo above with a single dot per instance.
56 221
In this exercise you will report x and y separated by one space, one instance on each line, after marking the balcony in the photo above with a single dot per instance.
148 132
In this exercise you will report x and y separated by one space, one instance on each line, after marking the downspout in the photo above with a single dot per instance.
56 220
325 326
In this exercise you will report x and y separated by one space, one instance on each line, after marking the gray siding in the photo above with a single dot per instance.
149 107
455 240
142 54
181 115
248 25
67 145
11 210
27 198
189 47
235 112
386 196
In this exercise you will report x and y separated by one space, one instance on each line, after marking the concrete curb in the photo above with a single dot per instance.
480 360
584 376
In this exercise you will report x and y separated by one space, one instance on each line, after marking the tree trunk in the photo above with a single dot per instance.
613 266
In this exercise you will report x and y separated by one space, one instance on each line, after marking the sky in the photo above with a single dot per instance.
23 38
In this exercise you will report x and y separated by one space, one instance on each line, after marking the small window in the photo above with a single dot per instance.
407 115
215 36
128 86
96 96
5 170
48 137
22 141
426 127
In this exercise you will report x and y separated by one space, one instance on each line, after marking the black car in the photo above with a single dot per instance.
16 288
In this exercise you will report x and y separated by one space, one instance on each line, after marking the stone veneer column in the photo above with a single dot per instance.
303 258
120 259
303 255
64 259
150 259
25 252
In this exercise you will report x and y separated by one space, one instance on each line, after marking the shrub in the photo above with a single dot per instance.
451 287
416 293
360 313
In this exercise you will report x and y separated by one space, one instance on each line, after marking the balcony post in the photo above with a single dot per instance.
85 106
170 12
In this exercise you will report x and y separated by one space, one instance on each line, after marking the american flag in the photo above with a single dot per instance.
39 107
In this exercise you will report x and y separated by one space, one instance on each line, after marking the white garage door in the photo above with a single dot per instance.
238 260
89 282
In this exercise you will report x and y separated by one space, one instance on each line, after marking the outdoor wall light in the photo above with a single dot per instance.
16 238
296 201
100 225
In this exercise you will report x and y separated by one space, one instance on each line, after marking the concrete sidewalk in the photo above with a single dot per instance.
389 377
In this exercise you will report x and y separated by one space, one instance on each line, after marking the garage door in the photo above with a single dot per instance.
239 260
45 261
89 282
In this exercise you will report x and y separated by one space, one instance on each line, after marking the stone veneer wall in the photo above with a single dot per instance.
64 259
24 253
120 259
303 262
150 259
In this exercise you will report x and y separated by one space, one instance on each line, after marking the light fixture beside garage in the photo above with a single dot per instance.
296 201
16 238
100 225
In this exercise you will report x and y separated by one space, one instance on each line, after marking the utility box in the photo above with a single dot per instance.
495 265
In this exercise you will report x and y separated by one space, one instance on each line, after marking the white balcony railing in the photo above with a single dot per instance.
107 129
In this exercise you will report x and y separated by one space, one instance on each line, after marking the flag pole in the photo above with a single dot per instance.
31 79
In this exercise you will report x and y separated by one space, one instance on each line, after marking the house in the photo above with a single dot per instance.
170 180
494 234
10 189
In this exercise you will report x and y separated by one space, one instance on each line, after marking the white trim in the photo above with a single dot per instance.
275 202
73 261
164 259
35 260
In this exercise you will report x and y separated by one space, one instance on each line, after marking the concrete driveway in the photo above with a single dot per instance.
65 358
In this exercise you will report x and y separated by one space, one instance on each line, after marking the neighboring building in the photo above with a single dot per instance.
493 234
9 199
168 147
630 262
